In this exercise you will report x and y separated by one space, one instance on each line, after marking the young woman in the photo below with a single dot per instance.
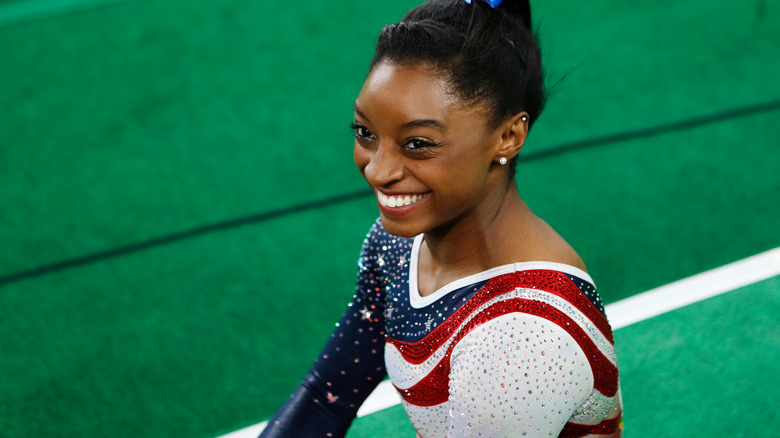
483 317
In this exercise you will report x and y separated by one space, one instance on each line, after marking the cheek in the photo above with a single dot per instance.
463 178
467 168
361 157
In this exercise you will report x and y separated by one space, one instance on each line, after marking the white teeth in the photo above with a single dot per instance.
397 201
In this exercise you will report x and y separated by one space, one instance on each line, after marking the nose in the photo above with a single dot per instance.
381 166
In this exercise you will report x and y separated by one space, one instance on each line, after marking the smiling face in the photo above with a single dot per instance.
430 158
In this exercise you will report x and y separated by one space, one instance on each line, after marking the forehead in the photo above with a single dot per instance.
409 90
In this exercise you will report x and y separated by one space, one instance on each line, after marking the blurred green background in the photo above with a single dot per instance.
180 215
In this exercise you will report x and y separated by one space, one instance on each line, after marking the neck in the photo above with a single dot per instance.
479 242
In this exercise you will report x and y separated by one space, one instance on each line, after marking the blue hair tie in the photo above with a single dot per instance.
493 3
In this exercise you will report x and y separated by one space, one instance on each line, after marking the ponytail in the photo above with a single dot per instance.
519 9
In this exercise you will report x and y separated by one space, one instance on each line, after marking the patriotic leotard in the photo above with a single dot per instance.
518 350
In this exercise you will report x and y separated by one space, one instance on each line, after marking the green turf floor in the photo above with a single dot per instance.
180 216
705 370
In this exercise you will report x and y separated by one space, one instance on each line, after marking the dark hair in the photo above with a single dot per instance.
489 55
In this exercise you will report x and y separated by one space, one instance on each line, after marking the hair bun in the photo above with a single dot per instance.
520 9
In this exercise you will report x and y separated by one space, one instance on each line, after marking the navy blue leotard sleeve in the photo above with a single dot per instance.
349 367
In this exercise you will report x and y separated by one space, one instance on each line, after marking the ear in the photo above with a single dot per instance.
513 134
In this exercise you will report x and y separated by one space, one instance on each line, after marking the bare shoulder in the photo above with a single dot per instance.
543 243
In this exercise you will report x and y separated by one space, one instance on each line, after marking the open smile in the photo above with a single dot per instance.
398 201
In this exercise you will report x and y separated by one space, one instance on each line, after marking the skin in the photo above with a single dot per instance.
414 136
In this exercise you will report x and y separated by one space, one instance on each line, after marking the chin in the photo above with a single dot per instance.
400 228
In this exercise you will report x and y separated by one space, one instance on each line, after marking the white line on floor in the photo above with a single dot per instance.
693 289
623 313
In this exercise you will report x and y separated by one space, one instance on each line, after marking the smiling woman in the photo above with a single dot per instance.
483 317
415 140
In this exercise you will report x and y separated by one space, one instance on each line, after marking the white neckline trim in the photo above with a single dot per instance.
419 302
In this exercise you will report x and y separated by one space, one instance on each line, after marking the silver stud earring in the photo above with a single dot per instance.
524 118
502 161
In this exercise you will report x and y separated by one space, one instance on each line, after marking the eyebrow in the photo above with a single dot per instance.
426 123
418 123
357 110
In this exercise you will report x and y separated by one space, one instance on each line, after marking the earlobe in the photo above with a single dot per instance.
513 137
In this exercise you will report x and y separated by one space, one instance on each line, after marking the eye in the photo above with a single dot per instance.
419 145
361 132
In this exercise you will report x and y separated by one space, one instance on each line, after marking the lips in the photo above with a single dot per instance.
397 201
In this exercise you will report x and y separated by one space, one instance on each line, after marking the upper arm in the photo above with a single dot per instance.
516 373
349 367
